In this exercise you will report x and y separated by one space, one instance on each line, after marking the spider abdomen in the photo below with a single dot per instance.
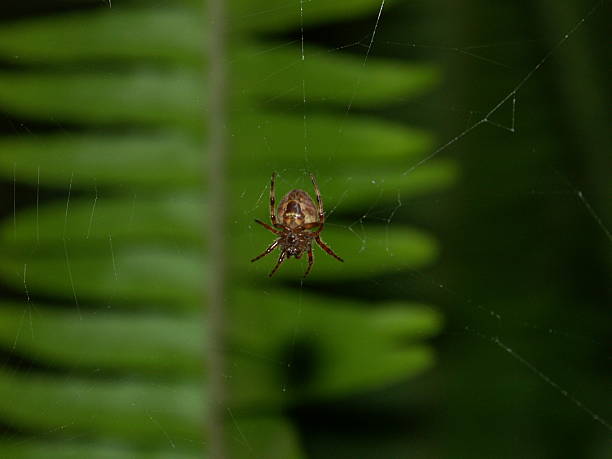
297 209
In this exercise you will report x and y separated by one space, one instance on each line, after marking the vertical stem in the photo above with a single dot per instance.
217 151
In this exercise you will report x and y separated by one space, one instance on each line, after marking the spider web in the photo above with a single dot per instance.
476 321
508 105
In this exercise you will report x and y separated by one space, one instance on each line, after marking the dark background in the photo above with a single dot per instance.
525 267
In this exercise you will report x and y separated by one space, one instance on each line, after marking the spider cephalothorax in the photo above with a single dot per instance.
301 223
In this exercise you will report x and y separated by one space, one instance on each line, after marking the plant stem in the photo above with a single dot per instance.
217 151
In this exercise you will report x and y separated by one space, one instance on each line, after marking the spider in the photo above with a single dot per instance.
298 215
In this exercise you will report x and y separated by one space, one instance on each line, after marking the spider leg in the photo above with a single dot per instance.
281 258
310 260
308 226
321 221
326 248
319 199
273 200
268 227
266 252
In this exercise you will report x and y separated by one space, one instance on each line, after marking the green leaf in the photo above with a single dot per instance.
148 96
168 34
172 346
144 96
147 160
36 449
163 278
131 410
131 343
154 159
95 223
304 334
277 73
167 278
99 223
165 34
373 192
269 437
368 251
270 140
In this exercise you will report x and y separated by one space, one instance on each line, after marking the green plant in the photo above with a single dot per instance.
122 255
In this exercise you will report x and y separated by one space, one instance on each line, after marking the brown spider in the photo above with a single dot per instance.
298 215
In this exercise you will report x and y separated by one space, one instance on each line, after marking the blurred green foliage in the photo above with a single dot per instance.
115 263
